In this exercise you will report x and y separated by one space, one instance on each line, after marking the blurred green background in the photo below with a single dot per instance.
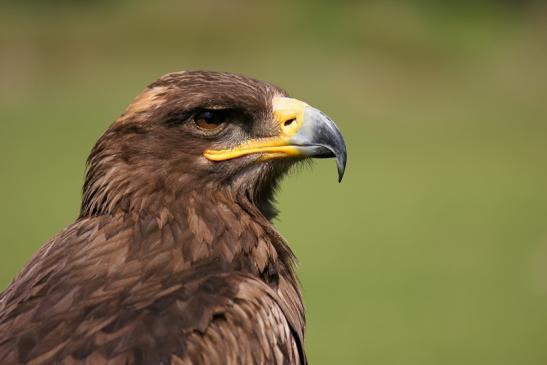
433 250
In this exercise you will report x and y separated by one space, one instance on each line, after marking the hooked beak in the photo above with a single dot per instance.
304 132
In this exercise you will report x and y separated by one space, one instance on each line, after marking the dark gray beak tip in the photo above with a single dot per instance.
341 164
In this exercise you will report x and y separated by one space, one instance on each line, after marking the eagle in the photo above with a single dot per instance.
173 258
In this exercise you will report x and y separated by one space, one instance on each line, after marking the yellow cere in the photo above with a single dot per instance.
287 109
289 113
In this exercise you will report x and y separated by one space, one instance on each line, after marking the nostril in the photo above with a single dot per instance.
289 122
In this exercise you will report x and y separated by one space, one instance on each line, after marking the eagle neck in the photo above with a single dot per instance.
206 221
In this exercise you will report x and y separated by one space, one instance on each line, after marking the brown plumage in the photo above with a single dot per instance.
173 259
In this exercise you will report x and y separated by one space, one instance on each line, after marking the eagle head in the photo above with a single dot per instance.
202 131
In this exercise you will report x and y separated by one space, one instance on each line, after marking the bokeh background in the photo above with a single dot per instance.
433 250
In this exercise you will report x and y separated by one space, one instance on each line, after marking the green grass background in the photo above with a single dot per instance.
433 250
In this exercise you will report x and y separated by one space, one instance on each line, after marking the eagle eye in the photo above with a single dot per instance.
209 120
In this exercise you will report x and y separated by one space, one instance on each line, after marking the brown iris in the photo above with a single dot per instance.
209 120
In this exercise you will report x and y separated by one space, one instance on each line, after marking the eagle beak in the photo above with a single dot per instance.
303 132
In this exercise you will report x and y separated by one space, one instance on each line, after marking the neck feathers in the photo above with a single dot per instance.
197 224
226 221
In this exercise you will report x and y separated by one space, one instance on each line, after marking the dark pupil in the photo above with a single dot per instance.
209 119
